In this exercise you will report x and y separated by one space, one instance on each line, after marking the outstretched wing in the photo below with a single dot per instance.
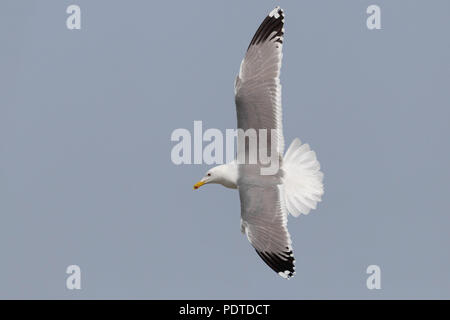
258 106
257 87
264 221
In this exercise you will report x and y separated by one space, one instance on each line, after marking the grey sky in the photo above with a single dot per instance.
85 170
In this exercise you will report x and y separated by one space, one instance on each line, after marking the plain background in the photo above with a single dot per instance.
86 176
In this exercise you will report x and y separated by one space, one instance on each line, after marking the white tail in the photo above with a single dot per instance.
302 179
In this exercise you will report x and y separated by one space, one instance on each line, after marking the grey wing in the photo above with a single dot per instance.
257 87
264 221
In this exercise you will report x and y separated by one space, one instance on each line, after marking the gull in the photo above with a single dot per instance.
296 187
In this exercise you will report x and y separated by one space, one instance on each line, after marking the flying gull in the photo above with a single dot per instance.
296 186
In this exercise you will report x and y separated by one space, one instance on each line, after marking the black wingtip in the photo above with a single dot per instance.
282 263
272 24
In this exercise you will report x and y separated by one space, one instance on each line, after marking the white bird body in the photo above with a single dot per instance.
297 186
302 178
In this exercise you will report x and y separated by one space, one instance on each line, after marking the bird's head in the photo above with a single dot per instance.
212 176
225 174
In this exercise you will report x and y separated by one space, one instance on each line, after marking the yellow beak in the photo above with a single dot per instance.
198 185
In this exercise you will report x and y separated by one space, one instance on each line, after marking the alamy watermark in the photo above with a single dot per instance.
73 21
373 22
73 281
374 280
253 147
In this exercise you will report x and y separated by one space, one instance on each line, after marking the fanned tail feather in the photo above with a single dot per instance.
302 179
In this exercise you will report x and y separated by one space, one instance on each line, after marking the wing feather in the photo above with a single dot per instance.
264 221
257 87
258 106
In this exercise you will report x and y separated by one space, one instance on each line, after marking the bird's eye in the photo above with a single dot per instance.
209 174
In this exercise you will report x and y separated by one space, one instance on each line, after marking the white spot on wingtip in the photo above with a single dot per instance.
274 13
286 274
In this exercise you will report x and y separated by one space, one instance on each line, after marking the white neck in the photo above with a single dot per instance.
228 174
